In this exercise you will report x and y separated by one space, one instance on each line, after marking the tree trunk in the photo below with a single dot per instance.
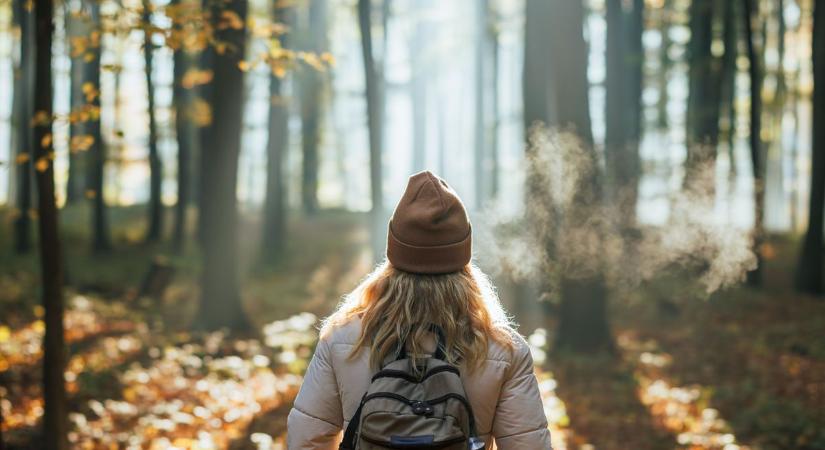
155 167
727 105
664 65
312 84
536 95
55 410
185 135
220 305
809 273
583 297
208 61
97 152
419 65
703 100
494 107
372 80
26 143
78 75
275 207
757 158
481 89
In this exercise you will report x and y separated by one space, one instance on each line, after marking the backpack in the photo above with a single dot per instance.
401 410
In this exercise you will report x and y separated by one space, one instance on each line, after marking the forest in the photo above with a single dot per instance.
188 187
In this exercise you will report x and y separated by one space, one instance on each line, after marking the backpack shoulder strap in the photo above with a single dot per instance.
348 442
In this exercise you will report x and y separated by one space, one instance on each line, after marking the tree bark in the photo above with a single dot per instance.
480 161
275 203
55 409
208 61
220 305
312 85
622 112
78 75
101 241
155 209
536 95
703 100
418 45
583 297
754 277
727 105
664 65
25 140
185 136
372 81
809 273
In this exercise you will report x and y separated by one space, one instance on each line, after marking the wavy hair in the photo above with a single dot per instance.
392 304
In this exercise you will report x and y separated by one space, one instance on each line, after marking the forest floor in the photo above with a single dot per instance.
743 369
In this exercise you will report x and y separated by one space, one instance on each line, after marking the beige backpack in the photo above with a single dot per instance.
403 411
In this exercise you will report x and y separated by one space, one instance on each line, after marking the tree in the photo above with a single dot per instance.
484 47
184 132
583 322
757 158
25 143
809 272
55 408
155 165
220 303
418 64
703 98
78 76
274 230
97 151
727 105
623 103
311 84
373 81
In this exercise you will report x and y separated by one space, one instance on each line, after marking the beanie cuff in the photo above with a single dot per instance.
437 259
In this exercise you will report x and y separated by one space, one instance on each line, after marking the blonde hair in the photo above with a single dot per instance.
394 305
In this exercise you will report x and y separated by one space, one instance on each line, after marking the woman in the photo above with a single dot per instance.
427 280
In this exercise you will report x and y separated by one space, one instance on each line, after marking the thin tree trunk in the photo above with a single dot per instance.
480 134
635 62
155 167
727 105
274 229
206 135
664 64
185 136
78 76
418 45
703 100
55 409
809 272
26 142
220 305
374 125
312 94
757 157
494 150
97 152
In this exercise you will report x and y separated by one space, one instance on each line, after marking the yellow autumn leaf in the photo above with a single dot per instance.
81 143
279 70
244 65
5 333
39 311
41 118
46 140
42 164
90 193
195 77
38 326
231 19
200 112
21 158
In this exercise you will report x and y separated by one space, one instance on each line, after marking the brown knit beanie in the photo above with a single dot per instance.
429 232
